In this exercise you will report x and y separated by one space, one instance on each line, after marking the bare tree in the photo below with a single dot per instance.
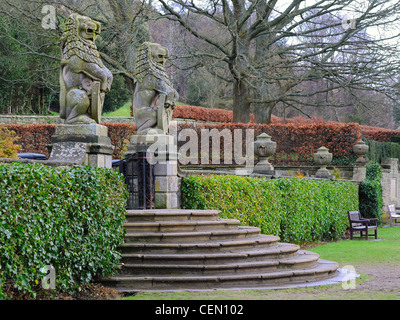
288 54
269 47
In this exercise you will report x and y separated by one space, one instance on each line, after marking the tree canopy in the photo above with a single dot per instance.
337 59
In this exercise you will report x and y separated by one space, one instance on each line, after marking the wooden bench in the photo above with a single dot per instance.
358 224
394 215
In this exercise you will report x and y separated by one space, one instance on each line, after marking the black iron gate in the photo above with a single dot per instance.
139 178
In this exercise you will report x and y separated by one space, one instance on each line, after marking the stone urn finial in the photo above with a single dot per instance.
323 158
264 148
361 149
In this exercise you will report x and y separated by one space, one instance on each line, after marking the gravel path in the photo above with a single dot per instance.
382 278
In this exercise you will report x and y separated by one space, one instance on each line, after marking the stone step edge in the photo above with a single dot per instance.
323 269
175 222
240 254
190 236
259 238
171 214
170 211
240 229
163 226
280 263
218 245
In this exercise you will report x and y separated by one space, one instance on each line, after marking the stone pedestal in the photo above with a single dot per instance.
82 144
161 150
359 172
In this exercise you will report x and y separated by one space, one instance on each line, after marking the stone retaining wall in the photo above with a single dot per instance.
15 119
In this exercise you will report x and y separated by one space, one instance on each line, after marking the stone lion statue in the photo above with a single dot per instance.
154 97
84 80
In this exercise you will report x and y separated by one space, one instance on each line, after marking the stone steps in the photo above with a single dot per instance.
210 266
219 234
260 241
171 214
130 284
275 252
195 249
181 225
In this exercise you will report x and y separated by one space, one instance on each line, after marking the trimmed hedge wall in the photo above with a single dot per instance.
202 114
370 193
378 134
70 218
379 150
298 210
35 137
297 142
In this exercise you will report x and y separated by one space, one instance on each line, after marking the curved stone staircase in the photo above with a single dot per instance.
174 249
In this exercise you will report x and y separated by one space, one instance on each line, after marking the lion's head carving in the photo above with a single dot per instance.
150 60
78 39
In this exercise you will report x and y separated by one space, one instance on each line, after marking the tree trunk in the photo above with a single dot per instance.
241 89
262 113
241 102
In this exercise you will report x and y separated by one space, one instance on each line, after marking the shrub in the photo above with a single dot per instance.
70 218
370 193
7 147
300 142
298 210
379 150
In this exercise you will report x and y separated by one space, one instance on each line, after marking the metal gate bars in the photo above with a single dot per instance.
139 178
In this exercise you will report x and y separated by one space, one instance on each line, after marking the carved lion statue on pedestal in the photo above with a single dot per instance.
84 80
154 97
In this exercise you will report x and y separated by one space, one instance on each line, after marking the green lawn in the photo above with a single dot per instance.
374 253
124 111
385 252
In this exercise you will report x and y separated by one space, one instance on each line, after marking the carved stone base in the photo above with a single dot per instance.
323 173
264 167
82 144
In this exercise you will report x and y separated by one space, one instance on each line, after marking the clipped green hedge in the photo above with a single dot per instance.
316 210
255 202
370 193
298 210
70 218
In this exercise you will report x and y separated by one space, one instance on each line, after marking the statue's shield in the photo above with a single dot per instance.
96 104
162 114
